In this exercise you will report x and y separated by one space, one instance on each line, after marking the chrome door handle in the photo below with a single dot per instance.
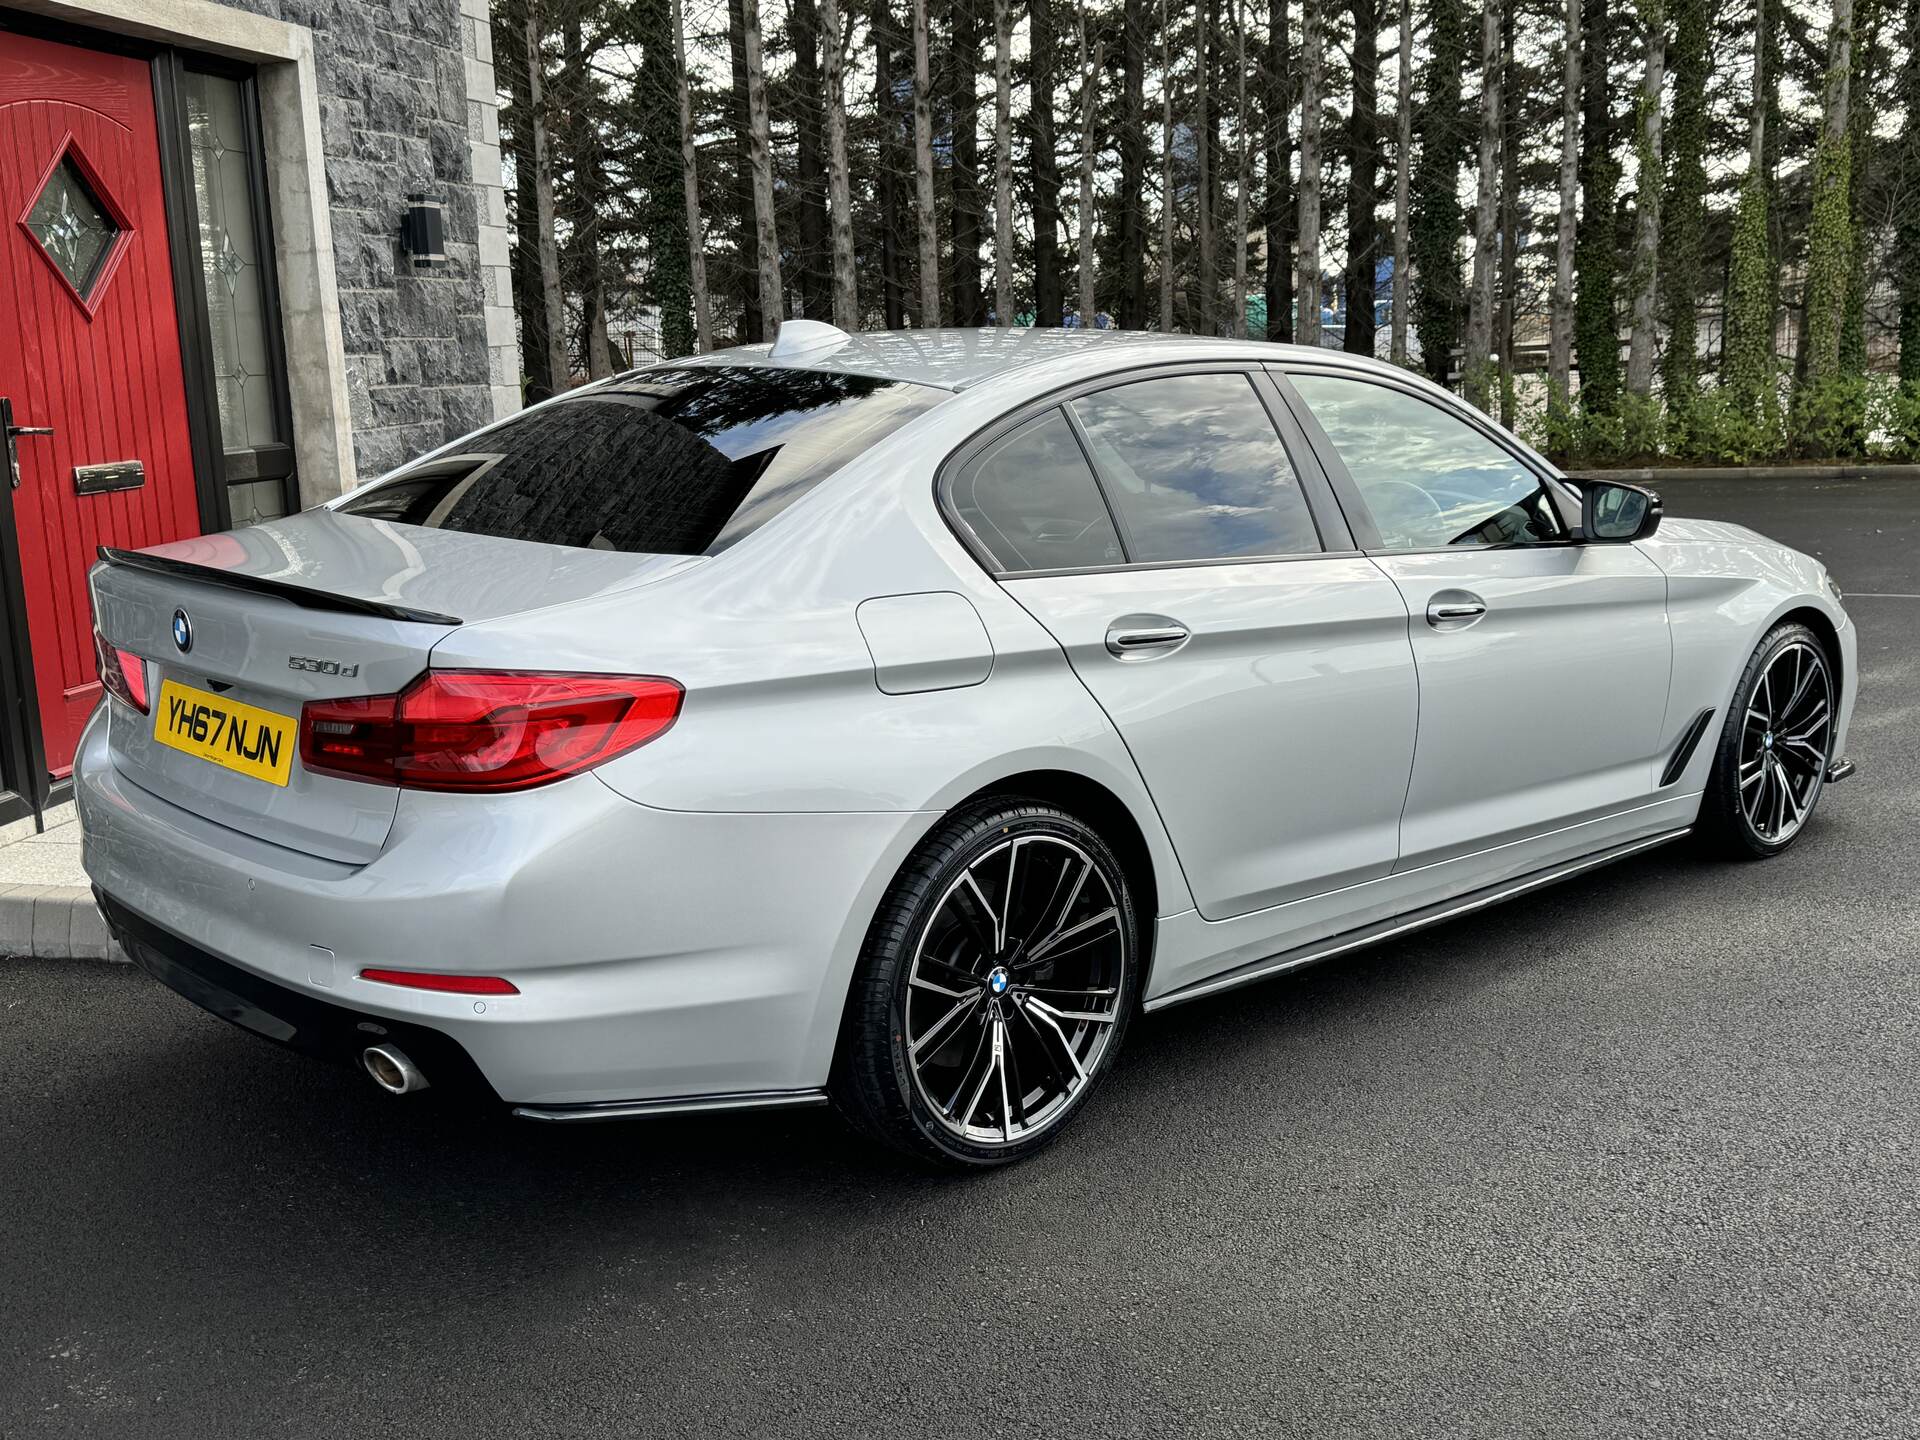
1137 641
1459 608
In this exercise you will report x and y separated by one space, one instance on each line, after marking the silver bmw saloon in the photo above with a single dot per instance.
887 720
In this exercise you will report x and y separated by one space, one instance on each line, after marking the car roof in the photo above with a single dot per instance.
960 359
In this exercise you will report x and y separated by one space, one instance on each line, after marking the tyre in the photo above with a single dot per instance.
1776 743
994 989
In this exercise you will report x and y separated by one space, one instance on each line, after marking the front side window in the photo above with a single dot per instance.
1032 501
1429 479
675 461
1196 470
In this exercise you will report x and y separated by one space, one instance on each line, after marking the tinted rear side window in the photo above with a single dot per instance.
664 462
1031 499
1196 470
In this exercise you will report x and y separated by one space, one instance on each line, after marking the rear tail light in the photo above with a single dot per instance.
122 672
471 730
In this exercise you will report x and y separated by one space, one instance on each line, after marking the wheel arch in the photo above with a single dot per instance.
1107 813
1817 620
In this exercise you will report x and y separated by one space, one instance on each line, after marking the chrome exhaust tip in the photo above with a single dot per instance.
391 1070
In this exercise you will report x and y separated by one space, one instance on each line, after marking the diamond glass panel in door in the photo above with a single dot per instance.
225 203
73 226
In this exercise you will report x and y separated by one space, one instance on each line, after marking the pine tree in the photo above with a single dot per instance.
1644 278
1830 232
1437 221
1862 107
1363 178
1596 336
1683 210
1747 370
1906 242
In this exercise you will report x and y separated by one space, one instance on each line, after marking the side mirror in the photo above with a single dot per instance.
1612 513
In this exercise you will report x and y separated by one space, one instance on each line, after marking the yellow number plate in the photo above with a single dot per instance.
240 737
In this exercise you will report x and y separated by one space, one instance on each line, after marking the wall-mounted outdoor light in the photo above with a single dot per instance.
423 232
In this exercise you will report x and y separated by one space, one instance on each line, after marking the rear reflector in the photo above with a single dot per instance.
446 984
486 731
122 672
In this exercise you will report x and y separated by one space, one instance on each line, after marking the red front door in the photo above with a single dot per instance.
89 347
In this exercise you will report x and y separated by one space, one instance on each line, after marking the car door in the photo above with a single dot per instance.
1544 664
1207 593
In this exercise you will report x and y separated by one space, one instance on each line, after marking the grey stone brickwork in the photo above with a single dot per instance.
408 104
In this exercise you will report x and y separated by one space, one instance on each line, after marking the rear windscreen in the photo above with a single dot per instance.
663 462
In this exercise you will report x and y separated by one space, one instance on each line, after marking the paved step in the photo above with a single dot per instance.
46 904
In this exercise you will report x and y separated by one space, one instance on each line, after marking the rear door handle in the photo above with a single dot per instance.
1455 609
1141 637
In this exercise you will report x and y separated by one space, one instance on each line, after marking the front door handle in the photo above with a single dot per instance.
1455 609
1139 637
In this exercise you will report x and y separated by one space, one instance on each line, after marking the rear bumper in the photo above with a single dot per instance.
659 954
283 1015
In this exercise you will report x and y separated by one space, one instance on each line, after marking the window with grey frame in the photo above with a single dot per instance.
239 298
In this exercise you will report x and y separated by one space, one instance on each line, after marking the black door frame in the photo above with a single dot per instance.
27 787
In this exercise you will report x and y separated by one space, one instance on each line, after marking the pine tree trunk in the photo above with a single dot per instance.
1862 106
1279 212
1003 315
747 272
1560 332
1829 238
1683 211
1203 129
886 106
1402 187
1363 179
1596 333
582 201
806 269
1243 171
1435 220
1906 239
529 303
1049 301
690 169
967 304
846 300
1089 109
552 302
1475 363
760 158
1133 166
1312 84
926 233
1166 168
1644 278
1747 367
1512 98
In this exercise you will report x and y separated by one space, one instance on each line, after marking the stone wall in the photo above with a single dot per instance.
407 104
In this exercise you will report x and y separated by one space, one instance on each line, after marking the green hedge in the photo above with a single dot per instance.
1841 418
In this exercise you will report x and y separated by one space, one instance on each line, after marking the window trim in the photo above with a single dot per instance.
1323 507
1347 490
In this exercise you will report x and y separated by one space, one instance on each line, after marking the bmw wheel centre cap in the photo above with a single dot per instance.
182 631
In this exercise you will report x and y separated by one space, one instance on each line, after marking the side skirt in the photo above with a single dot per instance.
1305 955
675 1105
